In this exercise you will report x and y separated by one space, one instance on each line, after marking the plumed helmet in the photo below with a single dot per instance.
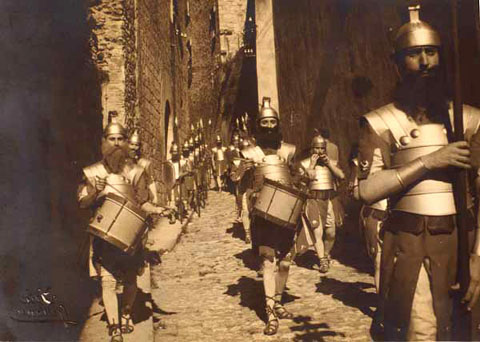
266 111
135 137
318 141
114 126
415 32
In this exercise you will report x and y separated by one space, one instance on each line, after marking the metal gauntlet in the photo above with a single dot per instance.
410 172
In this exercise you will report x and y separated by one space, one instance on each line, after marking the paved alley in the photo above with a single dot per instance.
207 288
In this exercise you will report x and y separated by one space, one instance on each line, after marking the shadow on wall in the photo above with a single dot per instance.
50 98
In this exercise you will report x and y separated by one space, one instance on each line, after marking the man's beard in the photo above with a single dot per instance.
175 157
269 137
115 157
428 92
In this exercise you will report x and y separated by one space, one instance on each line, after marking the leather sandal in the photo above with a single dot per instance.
272 325
116 333
324 265
127 326
281 312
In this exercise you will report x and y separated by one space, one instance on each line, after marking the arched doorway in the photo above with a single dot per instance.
169 129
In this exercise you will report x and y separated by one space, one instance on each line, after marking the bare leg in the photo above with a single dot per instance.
246 219
269 285
329 229
109 296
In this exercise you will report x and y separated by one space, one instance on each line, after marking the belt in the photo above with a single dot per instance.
375 213
321 194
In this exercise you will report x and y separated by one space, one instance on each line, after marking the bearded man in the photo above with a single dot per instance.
406 154
273 159
116 173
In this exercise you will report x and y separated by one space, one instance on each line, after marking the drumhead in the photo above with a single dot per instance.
286 188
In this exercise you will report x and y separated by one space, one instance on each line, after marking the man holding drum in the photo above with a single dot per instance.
115 174
270 159
322 170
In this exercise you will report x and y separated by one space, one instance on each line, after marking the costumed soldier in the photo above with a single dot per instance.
371 219
134 145
273 159
323 173
117 174
188 182
233 154
337 207
406 155
219 162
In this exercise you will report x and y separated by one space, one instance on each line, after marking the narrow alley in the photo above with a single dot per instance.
207 288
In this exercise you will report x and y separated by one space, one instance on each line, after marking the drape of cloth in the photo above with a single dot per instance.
410 242
269 239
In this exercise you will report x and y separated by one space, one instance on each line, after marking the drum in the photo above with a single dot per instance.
120 223
279 204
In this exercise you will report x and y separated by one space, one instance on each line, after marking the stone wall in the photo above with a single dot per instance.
232 16
204 90
334 61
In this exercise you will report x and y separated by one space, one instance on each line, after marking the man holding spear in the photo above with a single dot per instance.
407 153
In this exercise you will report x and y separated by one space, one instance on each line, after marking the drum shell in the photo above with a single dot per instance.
120 223
279 204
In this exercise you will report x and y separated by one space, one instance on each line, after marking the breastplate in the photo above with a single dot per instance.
176 169
121 186
274 168
323 179
433 195
219 154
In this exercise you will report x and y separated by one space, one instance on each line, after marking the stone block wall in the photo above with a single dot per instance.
204 91
232 16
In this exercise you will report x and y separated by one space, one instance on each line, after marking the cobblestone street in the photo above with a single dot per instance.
207 288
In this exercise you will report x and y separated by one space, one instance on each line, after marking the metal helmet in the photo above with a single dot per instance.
113 126
197 141
319 141
266 111
186 146
415 32
174 148
191 144
135 137
218 139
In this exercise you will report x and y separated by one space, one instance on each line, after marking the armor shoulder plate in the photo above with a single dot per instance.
252 153
287 151
305 163
471 119
97 169
136 173
389 121
145 163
